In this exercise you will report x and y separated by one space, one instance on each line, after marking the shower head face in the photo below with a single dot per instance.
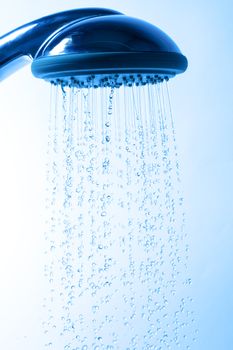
115 47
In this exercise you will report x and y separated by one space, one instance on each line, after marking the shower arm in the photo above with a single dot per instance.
19 46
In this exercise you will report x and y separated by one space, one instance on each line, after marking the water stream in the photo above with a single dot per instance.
116 258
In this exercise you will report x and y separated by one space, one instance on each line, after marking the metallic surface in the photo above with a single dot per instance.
90 41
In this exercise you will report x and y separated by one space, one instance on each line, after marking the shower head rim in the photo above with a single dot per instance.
163 63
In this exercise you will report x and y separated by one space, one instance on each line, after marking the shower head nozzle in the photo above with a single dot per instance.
99 47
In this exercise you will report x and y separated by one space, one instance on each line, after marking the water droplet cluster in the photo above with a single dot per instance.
116 257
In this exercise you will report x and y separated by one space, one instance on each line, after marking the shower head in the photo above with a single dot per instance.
101 47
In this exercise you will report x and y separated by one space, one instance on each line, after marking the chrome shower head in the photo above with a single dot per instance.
100 47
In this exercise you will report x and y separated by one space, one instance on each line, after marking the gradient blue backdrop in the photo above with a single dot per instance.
203 112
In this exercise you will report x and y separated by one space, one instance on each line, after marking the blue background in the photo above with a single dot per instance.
202 102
